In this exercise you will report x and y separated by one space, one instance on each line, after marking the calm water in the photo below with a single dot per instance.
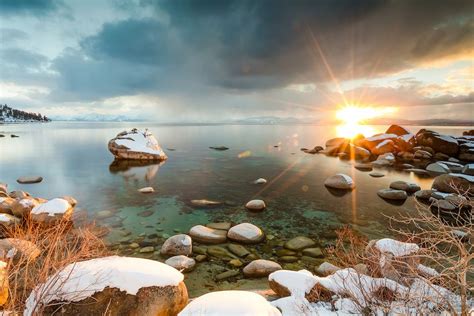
74 160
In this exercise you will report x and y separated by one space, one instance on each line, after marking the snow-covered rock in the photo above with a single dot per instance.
246 233
52 211
136 144
230 303
340 181
104 285
177 245
23 207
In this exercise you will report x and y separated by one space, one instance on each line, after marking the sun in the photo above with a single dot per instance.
352 118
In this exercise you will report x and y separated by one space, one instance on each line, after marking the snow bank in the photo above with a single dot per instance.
80 280
397 248
140 141
230 303
52 207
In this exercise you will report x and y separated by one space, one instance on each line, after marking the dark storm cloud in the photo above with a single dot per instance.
36 7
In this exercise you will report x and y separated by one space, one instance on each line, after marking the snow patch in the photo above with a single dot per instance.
52 207
140 141
397 248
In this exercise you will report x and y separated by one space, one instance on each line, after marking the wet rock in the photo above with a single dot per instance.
310 260
29 179
327 268
201 258
424 194
177 245
340 181
453 166
207 235
136 145
181 263
422 155
221 226
205 203
405 186
255 205
299 243
438 167
260 268
220 252
238 250
418 172
246 233
452 183
219 148
391 194
376 174
442 205
440 143
227 275
145 213
363 166
146 190
384 160
313 252
199 250
260 181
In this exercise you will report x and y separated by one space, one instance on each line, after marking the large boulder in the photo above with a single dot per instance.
52 211
371 142
177 245
230 303
453 183
246 233
111 286
440 143
137 145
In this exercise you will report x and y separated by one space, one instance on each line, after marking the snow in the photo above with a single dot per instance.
297 282
397 248
80 280
5 218
52 207
140 141
3 264
448 138
381 137
230 303
407 137
381 144
464 176
246 230
27 202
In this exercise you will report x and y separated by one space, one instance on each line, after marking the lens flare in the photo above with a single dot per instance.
352 118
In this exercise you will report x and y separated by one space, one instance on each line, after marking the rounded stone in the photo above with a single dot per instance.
391 194
207 235
299 243
181 263
260 268
256 205
246 233
177 245
340 181
405 186
29 179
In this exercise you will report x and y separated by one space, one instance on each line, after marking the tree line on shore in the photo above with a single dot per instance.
7 114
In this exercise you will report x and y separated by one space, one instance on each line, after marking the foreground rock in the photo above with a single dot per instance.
52 211
137 145
260 268
246 233
18 249
230 303
29 180
113 286
452 183
23 207
340 181
177 245
440 143
207 235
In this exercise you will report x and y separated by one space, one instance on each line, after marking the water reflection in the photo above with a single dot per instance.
135 170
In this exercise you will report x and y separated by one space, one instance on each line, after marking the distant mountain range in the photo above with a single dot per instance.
11 115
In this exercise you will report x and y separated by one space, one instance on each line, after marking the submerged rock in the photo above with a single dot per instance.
376 174
238 250
299 243
177 245
205 203
181 263
137 145
340 181
260 268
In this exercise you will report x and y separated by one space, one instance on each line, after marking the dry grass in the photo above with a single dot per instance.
58 245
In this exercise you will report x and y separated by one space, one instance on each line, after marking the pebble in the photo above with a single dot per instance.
146 190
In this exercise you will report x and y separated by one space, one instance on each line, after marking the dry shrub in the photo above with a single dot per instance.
59 244
349 248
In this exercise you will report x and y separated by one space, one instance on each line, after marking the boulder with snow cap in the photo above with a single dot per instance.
222 303
113 286
137 145
52 211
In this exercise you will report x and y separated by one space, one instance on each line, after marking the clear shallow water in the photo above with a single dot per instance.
74 160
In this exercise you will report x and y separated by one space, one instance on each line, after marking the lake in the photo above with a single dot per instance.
74 160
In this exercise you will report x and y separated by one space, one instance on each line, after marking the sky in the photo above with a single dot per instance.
216 60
